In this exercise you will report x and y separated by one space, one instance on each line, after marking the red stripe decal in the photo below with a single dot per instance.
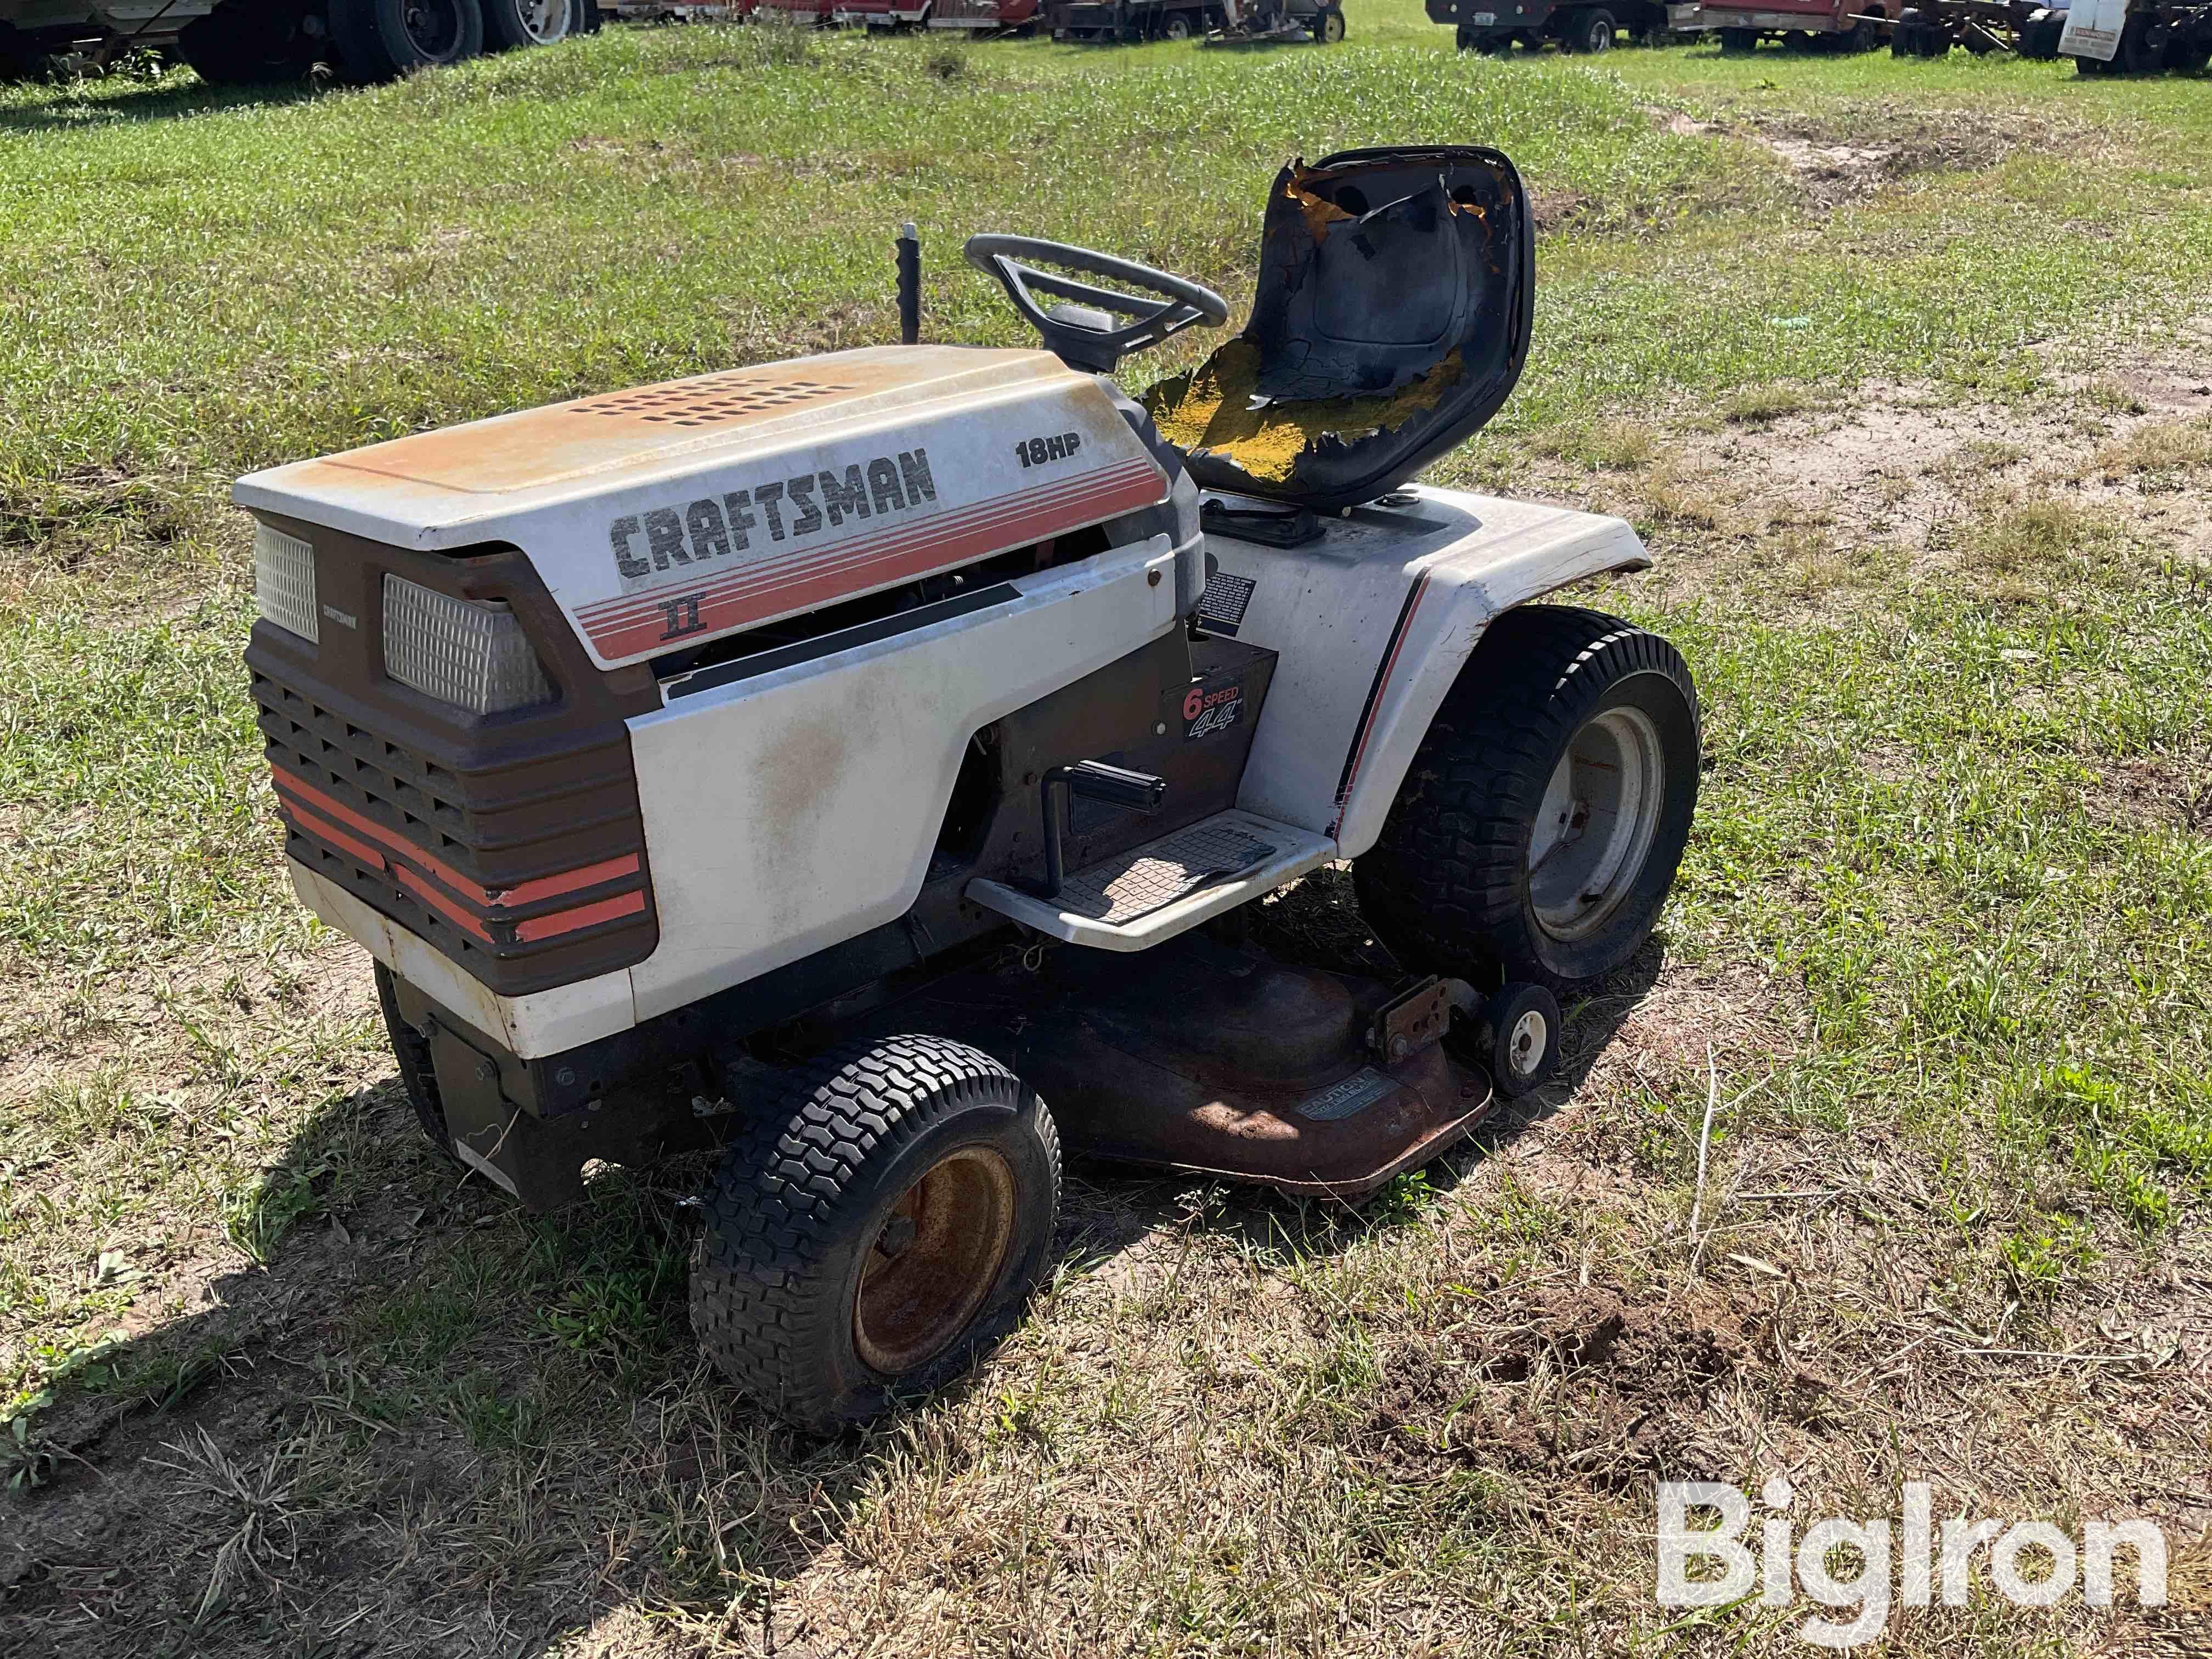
322 803
540 887
584 915
438 902
589 875
741 597
308 825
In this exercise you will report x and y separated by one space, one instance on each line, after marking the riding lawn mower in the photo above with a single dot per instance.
867 763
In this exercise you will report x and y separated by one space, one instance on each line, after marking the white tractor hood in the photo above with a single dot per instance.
752 494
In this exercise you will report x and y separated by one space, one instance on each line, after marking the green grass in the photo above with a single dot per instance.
1939 951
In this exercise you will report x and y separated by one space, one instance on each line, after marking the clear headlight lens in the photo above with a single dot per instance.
471 653
284 581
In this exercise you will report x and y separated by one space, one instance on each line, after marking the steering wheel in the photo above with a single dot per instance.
1084 334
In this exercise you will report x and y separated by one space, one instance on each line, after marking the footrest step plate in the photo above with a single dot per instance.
1153 892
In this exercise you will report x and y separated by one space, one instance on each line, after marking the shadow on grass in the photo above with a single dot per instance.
88 106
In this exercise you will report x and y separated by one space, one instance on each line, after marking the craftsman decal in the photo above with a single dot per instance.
1035 451
1210 709
714 528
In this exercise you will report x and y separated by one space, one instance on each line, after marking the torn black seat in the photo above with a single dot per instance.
1396 287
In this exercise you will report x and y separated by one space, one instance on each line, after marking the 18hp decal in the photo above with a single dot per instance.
1207 708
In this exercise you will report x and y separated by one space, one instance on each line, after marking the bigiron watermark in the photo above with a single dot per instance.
2030 1564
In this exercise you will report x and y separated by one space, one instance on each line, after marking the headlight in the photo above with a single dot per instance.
471 653
284 580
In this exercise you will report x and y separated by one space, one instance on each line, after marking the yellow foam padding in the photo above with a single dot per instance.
1210 409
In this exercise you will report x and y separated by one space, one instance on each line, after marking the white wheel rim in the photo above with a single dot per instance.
545 20
1594 829
1524 1044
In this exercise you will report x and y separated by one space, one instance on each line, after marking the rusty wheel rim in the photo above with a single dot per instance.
934 1260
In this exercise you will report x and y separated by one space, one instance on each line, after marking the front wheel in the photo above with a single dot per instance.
875 1228
1541 824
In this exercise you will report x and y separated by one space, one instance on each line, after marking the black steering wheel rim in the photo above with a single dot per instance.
1166 304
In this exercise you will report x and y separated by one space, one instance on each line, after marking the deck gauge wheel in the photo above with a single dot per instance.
1522 1022
875 1226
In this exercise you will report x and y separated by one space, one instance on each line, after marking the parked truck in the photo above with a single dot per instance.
1799 25
232 42
2136 37
1494 26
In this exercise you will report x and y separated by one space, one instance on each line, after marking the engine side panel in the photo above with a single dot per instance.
1374 623
790 812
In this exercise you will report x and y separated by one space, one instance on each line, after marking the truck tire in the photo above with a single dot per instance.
2039 35
243 43
1175 27
383 40
509 25
1590 30
875 1228
1736 41
417 1078
1539 825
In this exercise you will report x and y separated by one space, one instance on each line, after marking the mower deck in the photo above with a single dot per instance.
1212 1059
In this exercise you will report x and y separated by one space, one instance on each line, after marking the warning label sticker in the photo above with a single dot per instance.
1348 1098
1221 607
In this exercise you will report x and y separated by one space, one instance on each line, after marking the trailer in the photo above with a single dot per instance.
2136 37
1494 25
1102 22
1932 28
244 42
1799 25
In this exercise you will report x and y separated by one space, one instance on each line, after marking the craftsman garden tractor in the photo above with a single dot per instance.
867 764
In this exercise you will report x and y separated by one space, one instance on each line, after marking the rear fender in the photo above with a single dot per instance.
1374 623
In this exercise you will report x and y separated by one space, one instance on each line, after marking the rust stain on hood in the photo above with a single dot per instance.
1210 409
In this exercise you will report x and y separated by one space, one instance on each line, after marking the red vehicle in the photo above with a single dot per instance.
974 14
1805 25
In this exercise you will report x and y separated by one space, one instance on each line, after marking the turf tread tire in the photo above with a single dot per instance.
783 1205
1443 886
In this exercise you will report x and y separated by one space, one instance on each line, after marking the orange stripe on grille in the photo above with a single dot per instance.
589 875
438 902
584 915
308 825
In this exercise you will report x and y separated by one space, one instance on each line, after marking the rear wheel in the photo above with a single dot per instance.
509 24
1590 30
1177 28
1541 822
1328 26
1733 41
381 39
875 1229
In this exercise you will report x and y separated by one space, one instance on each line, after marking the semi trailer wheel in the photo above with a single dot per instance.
382 40
1541 823
243 43
875 1228
1590 30
416 1075
509 25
